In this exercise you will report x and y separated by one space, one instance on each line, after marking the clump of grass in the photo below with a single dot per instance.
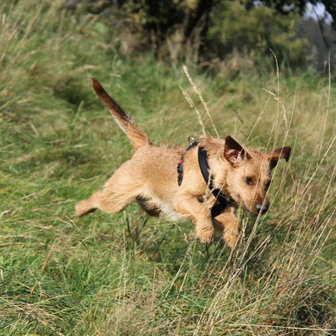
133 275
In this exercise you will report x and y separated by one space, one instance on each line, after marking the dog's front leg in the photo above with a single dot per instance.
227 223
188 206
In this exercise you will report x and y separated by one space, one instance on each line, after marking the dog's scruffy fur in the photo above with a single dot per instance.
150 178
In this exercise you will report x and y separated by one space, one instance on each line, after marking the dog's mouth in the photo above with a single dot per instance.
254 213
246 209
251 212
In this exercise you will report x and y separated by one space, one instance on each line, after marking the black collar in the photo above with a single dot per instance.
221 201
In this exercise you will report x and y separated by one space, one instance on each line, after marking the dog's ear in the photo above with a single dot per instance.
234 152
280 153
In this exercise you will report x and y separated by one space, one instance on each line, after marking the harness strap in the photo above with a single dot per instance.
221 201
203 163
180 164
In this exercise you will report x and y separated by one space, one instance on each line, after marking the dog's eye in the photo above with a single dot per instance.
249 181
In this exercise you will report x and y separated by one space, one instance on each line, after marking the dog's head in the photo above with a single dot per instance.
250 175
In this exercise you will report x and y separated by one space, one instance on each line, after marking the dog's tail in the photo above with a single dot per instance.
125 122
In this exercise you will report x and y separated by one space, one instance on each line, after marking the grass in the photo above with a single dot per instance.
133 275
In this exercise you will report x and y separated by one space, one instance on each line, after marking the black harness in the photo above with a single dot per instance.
180 164
221 201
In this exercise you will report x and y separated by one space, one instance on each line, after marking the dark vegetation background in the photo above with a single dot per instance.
299 32
264 72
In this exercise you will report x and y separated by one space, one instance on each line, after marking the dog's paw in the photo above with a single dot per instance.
80 209
230 238
205 235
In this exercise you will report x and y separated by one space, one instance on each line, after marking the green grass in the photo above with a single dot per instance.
129 274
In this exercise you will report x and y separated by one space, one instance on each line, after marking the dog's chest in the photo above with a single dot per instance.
170 213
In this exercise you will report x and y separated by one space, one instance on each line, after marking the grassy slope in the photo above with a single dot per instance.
129 274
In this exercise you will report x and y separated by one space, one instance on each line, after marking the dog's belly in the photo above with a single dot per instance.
156 207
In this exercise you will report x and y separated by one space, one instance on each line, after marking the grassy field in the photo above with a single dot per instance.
129 274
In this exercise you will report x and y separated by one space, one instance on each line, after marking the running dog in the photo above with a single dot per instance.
204 183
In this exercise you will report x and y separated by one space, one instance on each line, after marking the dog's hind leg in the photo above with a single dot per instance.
109 201
89 205
121 189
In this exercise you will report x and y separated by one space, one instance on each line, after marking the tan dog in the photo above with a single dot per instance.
236 177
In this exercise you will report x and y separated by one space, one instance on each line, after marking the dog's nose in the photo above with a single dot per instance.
262 208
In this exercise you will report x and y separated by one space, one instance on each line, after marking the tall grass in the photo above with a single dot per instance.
133 275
